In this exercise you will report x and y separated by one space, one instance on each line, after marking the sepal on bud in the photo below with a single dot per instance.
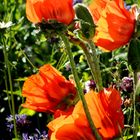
134 54
86 21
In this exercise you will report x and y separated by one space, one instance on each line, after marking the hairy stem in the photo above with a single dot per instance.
80 91
135 117
96 66
92 60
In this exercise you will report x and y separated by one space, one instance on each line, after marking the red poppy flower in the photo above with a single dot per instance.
115 24
105 109
60 10
48 90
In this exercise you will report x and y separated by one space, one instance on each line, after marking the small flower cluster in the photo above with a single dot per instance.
36 136
89 85
127 84
21 122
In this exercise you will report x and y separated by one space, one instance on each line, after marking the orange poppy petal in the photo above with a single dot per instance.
66 129
114 33
38 10
106 115
101 119
31 13
48 90
34 85
96 7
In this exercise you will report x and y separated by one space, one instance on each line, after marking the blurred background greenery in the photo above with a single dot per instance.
28 48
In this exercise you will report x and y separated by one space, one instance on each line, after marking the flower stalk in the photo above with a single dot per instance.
11 87
79 89
6 87
135 117
92 59
96 66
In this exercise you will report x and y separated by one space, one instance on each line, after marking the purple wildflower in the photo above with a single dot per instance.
128 7
21 121
127 84
77 1
89 85
36 136
25 136
68 67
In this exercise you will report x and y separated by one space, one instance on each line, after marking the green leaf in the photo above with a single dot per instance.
128 137
15 139
27 111
86 21
18 25
21 79
134 54
18 92
138 2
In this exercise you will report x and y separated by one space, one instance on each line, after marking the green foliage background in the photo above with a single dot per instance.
29 49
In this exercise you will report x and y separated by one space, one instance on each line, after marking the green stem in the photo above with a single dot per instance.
5 79
61 61
11 87
96 66
28 59
126 132
80 91
92 59
6 86
135 119
90 64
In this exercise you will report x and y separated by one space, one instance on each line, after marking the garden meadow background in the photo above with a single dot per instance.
28 49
